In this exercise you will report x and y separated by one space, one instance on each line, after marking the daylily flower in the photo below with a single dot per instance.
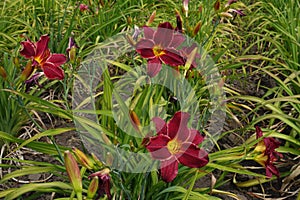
104 182
83 7
268 154
175 143
160 46
43 58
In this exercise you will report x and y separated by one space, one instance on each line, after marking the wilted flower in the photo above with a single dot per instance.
71 50
268 155
175 143
160 47
33 80
104 182
43 58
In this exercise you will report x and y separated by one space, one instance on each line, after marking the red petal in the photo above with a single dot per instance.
42 45
160 125
144 48
157 146
163 37
28 50
166 25
177 124
153 67
178 39
195 137
172 57
169 169
192 156
52 71
57 59
271 169
259 132
148 32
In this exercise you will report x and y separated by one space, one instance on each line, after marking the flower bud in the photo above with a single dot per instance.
96 160
83 159
217 5
109 159
27 71
73 171
186 7
197 28
151 18
93 187
16 62
135 120
3 73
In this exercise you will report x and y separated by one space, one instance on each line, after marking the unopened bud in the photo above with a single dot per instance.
83 159
217 5
178 22
3 73
151 18
16 62
96 160
109 159
27 71
135 120
186 7
93 187
72 54
73 171
197 28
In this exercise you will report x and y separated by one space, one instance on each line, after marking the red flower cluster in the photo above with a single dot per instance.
164 45
175 143
43 58
267 147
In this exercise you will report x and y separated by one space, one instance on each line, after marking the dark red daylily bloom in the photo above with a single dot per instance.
83 7
175 143
160 46
43 58
104 182
268 154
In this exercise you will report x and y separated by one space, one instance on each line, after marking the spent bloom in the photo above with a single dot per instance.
104 182
268 155
42 58
176 143
160 46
